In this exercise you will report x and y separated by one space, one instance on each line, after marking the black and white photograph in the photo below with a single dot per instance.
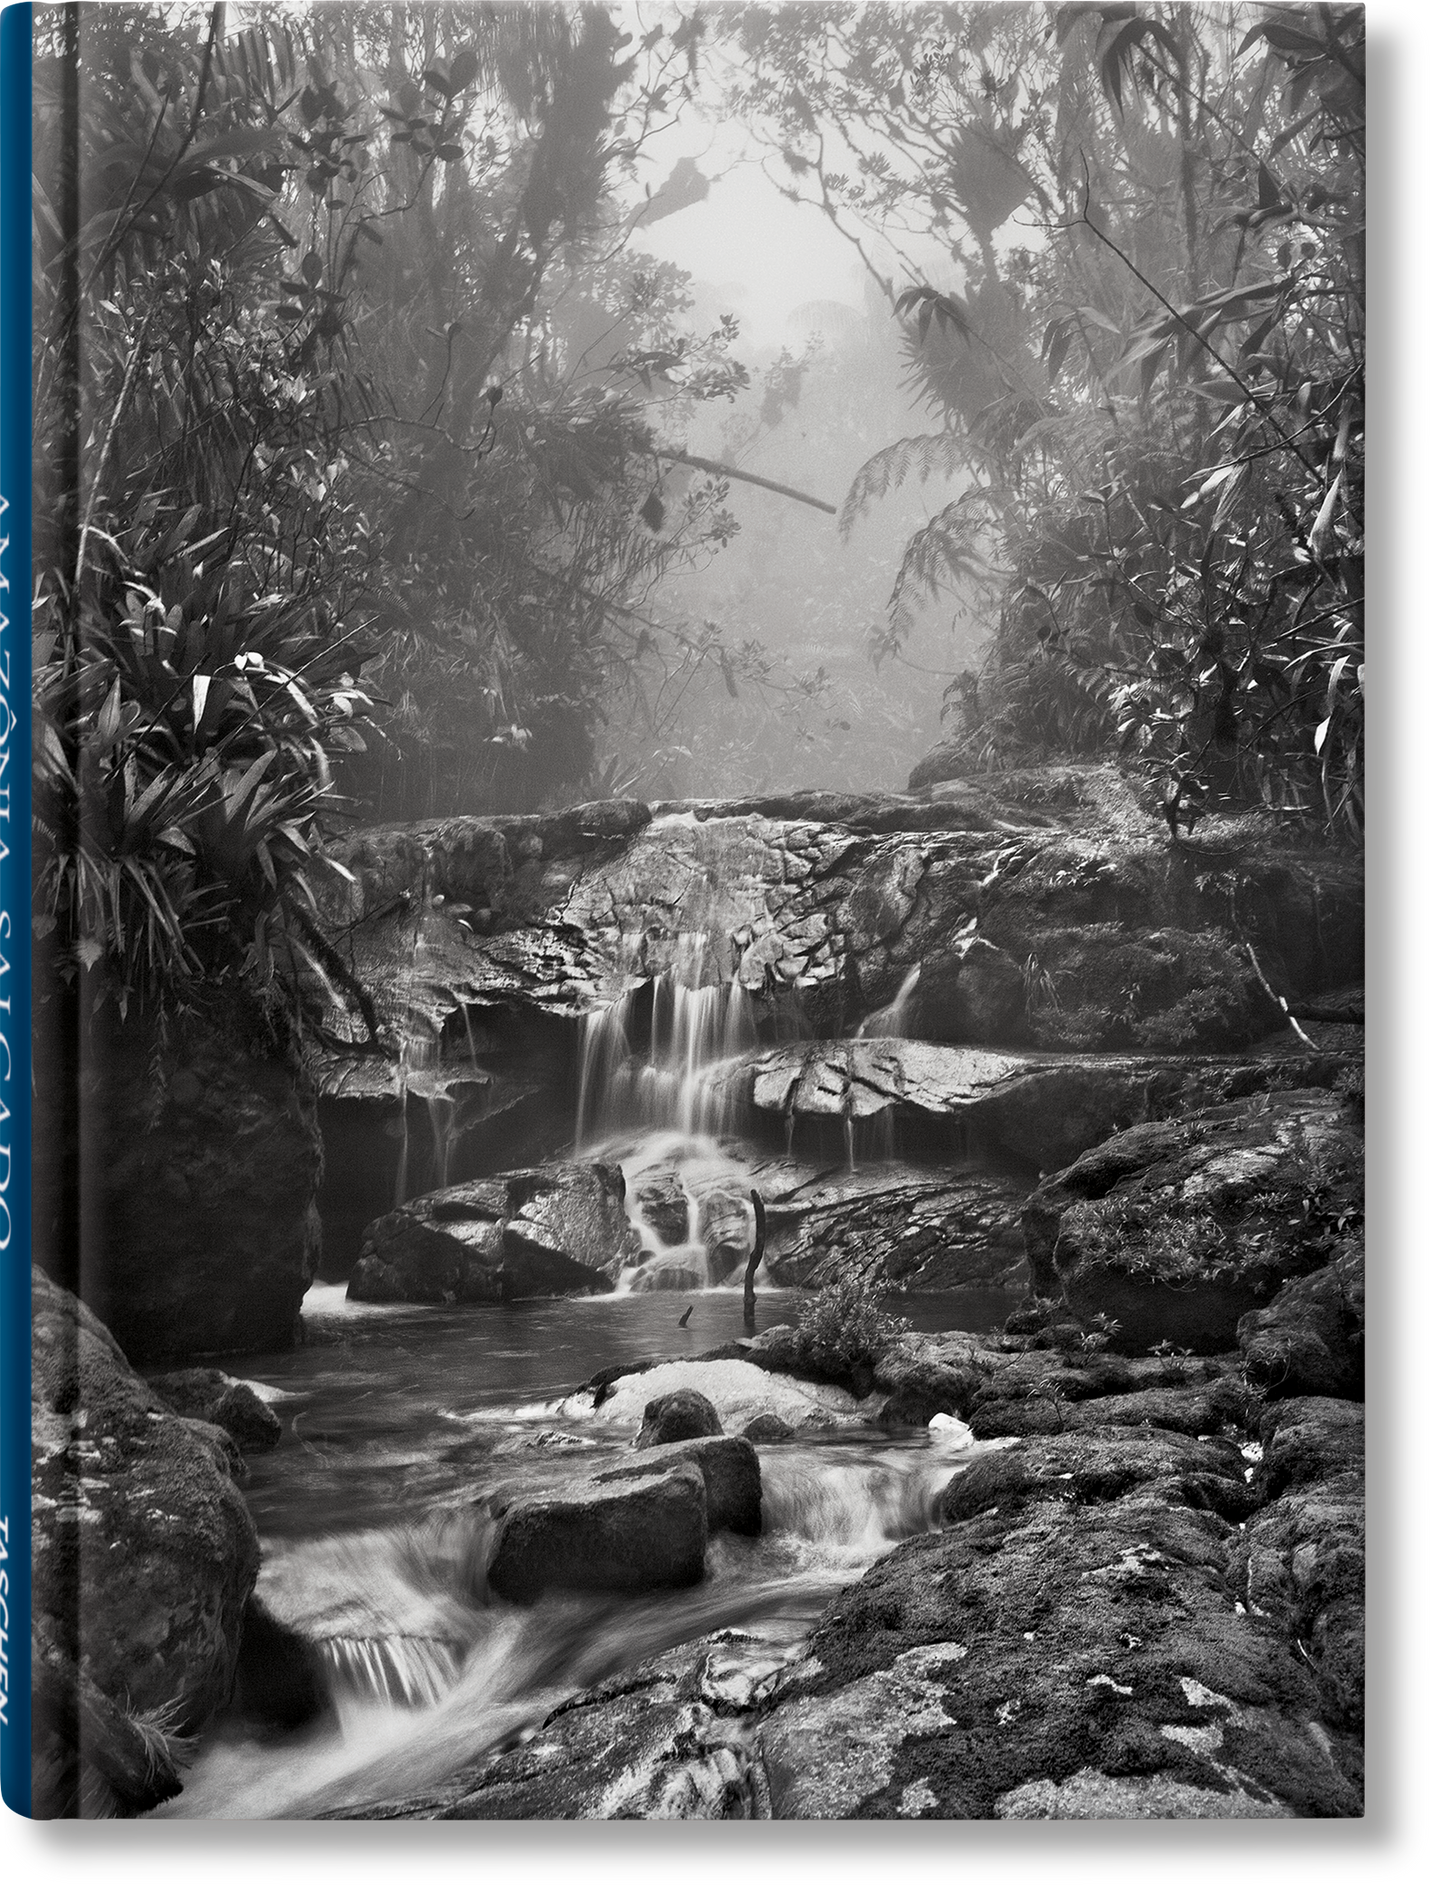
698 911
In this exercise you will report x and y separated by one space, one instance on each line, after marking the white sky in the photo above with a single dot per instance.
744 234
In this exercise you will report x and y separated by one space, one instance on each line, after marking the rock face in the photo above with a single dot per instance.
557 1232
1072 1648
1048 909
620 1536
908 1223
1175 1229
1041 1111
144 1557
1311 1340
206 1159
1302 1557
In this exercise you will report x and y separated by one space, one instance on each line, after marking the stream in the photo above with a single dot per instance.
400 1421
398 1418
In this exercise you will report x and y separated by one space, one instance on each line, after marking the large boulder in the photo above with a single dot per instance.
922 1375
1098 1465
675 1416
1173 1230
560 1231
1311 1340
143 1559
210 1396
202 1158
612 1537
1071 1648
730 1474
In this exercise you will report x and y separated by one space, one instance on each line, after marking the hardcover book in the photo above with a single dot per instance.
696 910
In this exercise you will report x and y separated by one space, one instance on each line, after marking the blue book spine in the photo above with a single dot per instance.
15 477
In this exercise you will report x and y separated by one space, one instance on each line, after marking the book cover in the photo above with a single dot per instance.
697 903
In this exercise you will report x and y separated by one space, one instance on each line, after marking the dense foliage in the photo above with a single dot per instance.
346 449
1145 354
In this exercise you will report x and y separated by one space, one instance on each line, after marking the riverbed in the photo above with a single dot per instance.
399 1421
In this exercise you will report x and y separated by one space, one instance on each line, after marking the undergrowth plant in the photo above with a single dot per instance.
846 1323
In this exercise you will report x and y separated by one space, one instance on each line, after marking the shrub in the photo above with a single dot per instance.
845 1326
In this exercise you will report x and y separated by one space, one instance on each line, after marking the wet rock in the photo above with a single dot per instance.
1203 1410
1100 1464
1046 1656
142 1545
281 1683
675 1416
768 1428
1310 1341
790 1351
973 993
1172 1230
738 1389
824 901
1301 1560
1310 1439
390 1129
1045 1111
666 1740
1076 1375
212 1397
623 1536
555 1232
204 1156
910 1225
729 1469
923 1375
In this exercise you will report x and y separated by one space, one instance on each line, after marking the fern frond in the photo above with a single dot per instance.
915 455
940 553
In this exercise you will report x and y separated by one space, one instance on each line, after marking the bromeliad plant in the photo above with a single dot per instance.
182 771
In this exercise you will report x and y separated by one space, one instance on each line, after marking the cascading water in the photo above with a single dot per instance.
652 1095
462 1676
656 1066
373 1515
891 1022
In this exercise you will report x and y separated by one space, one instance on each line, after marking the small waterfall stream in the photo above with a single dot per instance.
419 1704
375 1529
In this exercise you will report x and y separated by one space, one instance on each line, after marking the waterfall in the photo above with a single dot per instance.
651 1096
891 1023
656 1067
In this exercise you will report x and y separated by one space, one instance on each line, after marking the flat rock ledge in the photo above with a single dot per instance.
1046 1111
1045 909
